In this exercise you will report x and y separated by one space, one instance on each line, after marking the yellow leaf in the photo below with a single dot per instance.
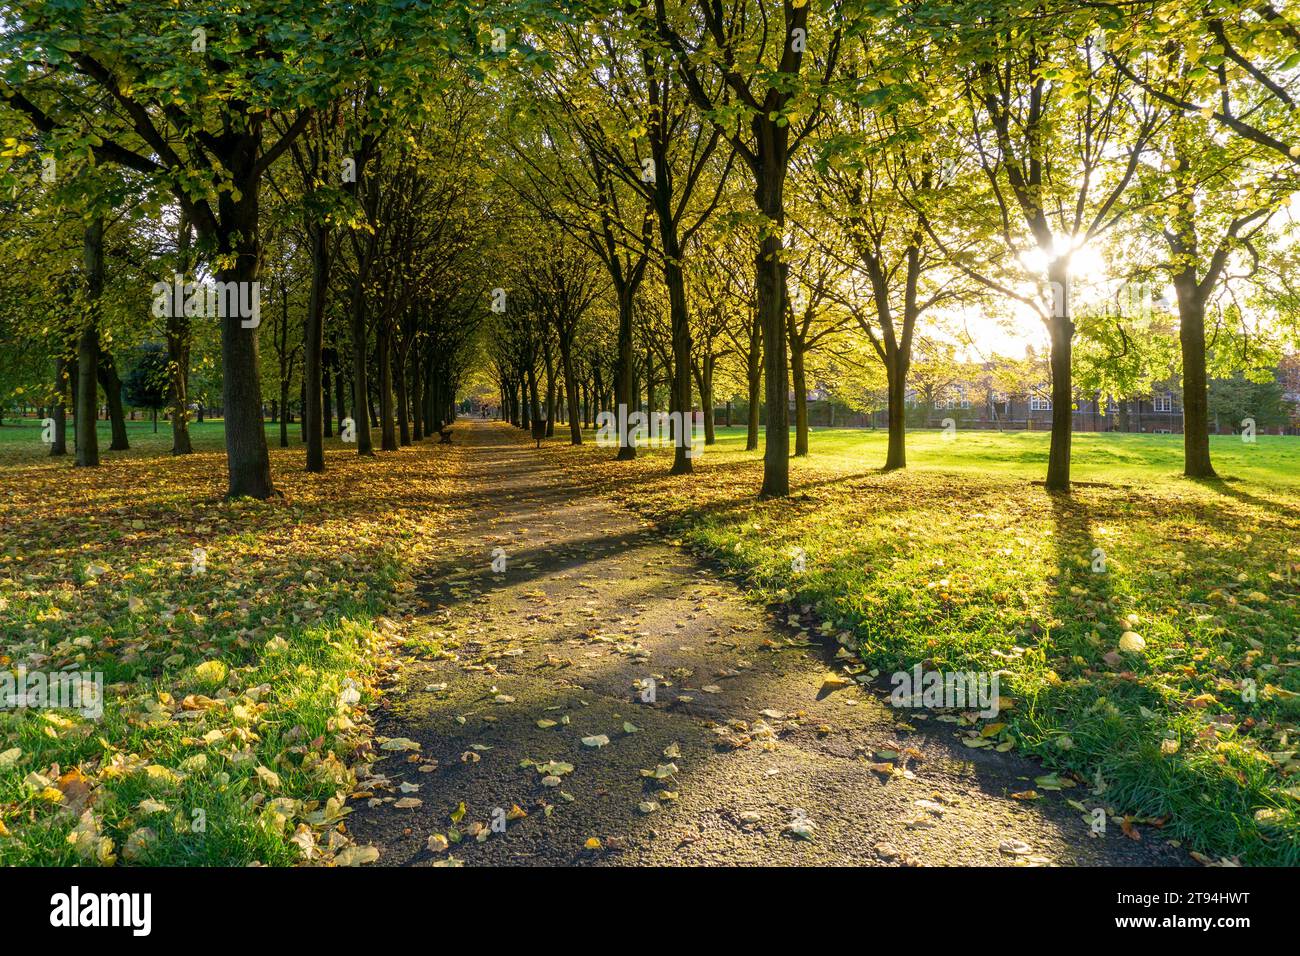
211 672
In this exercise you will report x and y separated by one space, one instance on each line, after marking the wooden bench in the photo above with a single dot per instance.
444 435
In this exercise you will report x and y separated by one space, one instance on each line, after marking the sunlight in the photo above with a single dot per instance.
531 434
1083 259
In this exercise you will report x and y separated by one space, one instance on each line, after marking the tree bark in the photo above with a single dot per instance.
800 399
550 389
403 403
248 462
624 389
59 412
417 397
896 374
384 353
771 313
1196 393
571 393
284 410
360 377
327 404
315 411
88 348
679 385
340 389
178 353
704 382
111 382
754 378
1061 328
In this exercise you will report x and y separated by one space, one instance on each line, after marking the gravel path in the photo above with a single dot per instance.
755 760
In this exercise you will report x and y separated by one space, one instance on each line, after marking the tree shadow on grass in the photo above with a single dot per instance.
1228 487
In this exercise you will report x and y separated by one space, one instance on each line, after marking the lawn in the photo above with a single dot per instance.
235 705
965 561
235 685
1117 458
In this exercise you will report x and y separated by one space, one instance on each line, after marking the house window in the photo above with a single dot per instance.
1164 402
1037 404
954 396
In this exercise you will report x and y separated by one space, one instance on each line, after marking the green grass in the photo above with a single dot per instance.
20 439
965 562
1114 457
230 726
962 561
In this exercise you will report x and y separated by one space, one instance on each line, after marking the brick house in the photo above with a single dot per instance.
979 405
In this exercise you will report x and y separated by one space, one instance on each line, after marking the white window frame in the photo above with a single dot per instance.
954 396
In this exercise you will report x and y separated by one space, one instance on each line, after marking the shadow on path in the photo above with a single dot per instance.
739 737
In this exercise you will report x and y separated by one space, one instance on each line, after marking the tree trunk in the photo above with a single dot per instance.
384 353
1062 334
178 352
248 462
771 316
571 393
360 378
314 409
341 390
650 382
800 399
704 382
59 412
327 404
417 398
1196 393
896 372
550 391
88 348
754 378
112 385
534 402
403 403
284 410
624 389
679 385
